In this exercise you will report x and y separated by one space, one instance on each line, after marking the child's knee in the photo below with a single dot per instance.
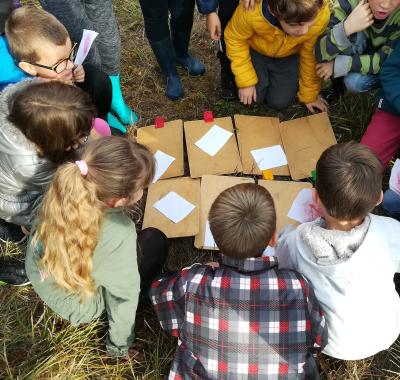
279 102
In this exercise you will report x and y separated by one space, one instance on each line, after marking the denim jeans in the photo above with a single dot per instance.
391 203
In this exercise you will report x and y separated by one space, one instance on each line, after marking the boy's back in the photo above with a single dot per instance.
349 255
358 296
243 318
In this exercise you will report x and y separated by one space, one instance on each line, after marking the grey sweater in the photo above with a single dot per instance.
23 175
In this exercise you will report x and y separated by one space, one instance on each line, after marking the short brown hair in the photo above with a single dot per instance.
243 220
27 26
349 180
53 116
295 11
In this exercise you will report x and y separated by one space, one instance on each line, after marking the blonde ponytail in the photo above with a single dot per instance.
74 207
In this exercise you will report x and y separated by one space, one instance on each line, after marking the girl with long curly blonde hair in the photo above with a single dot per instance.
82 256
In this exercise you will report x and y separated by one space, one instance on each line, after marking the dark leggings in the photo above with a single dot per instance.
155 14
225 12
152 253
98 85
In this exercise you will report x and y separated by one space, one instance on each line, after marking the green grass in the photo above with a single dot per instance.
36 344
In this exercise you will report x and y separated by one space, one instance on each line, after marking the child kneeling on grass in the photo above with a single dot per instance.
82 259
349 255
272 52
243 318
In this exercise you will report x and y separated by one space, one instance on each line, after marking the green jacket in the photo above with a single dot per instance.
381 37
116 275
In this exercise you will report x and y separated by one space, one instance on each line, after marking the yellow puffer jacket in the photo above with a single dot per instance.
251 29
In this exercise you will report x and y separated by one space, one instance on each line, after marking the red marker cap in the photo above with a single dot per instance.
208 116
159 122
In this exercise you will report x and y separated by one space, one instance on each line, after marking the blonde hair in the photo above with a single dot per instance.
74 207
243 220
27 26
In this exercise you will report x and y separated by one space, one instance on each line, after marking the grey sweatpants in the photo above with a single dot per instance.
277 79
97 15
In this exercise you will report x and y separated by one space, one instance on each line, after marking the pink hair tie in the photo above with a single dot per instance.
82 165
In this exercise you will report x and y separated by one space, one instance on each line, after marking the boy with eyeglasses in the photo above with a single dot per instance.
41 46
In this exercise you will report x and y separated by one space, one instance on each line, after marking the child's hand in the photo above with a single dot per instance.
249 4
79 74
359 19
325 70
247 95
319 104
214 26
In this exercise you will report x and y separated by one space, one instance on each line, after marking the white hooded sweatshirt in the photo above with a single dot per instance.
356 293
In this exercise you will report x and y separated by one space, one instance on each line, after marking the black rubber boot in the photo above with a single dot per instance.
228 89
333 92
181 39
164 52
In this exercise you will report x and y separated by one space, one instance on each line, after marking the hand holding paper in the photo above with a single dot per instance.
303 208
88 37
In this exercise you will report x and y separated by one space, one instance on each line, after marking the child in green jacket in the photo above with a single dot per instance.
82 257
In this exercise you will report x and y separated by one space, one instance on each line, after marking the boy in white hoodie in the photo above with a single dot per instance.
349 255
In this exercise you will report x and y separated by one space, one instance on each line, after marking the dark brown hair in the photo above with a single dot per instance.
27 26
349 180
53 116
295 11
243 220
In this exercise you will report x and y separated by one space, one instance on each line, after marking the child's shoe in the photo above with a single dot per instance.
116 127
11 232
191 65
228 87
118 105
180 40
164 52
13 274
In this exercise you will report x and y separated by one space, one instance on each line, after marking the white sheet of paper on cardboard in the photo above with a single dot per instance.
88 37
163 162
174 207
268 158
269 251
394 182
303 208
214 140
209 241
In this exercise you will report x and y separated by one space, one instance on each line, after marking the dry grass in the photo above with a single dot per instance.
36 344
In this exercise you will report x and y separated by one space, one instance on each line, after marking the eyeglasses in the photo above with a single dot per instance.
60 66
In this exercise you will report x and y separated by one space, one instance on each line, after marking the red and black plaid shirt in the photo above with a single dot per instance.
246 319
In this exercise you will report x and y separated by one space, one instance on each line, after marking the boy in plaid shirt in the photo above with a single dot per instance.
243 318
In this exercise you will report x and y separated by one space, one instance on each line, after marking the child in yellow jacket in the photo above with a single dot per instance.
272 51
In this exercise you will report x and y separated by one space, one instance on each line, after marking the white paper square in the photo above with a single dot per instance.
174 207
303 208
163 162
209 241
214 140
394 182
268 158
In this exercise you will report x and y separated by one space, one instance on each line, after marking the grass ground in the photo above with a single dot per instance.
36 344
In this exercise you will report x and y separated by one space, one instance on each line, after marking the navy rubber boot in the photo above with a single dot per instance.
164 52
